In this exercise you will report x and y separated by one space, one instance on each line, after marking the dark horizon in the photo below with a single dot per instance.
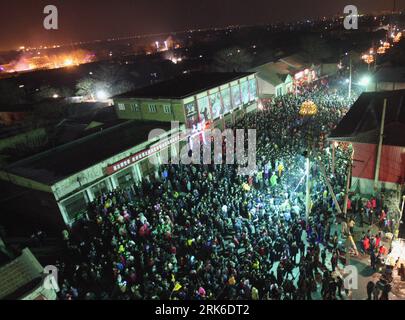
91 20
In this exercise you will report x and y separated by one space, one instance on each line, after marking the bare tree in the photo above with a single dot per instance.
86 87
233 59
111 79
316 47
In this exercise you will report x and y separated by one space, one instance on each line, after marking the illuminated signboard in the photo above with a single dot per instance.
124 163
226 100
236 98
190 109
245 92
216 105
204 109
252 89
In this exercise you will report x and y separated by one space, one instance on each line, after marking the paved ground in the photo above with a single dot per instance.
365 273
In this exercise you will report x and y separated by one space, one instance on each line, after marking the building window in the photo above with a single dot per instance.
152 108
167 109
135 107
121 106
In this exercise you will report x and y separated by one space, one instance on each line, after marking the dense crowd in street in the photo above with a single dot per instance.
205 232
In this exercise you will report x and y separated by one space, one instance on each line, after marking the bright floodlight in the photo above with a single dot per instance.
101 95
365 81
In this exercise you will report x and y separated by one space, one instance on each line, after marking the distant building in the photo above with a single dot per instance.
274 79
289 73
361 128
23 279
216 99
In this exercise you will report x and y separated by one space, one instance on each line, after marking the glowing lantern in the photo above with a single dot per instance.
368 58
381 50
308 108
397 38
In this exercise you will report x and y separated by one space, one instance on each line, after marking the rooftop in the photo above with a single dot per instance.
274 72
20 276
184 85
61 162
362 122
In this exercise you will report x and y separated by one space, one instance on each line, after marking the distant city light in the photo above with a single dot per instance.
101 95
68 62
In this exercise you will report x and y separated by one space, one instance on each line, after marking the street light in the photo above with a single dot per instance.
365 81
101 95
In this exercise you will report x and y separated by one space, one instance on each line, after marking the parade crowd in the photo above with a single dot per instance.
204 232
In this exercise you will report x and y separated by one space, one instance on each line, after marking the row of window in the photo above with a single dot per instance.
152 108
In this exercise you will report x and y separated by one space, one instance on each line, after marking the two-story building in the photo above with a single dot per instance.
217 99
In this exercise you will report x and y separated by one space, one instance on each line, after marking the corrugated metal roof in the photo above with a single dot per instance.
362 122
18 273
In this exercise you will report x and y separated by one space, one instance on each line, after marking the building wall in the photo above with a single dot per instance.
72 206
386 86
366 186
139 109
392 167
265 88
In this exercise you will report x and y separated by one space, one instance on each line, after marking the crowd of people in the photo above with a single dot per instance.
205 232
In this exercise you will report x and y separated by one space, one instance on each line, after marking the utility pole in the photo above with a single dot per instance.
307 194
333 156
350 76
349 173
332 193
380 144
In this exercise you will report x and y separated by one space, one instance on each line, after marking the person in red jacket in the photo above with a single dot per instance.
366 244
349 205
377 240
373 203
382 251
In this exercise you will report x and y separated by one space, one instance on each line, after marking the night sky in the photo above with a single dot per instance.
21 20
